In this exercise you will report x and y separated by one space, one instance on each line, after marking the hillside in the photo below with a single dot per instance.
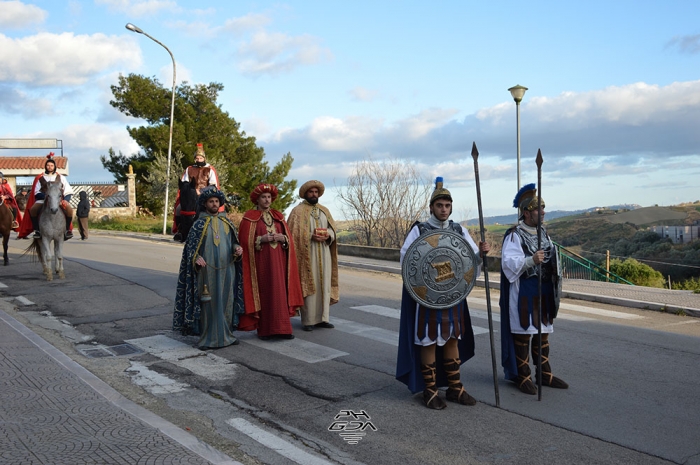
551 215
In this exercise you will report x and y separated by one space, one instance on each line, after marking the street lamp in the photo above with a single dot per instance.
138 30
518 92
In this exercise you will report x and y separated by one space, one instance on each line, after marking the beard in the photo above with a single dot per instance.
200 163
312 200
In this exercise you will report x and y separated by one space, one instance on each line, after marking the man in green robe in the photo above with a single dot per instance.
209 298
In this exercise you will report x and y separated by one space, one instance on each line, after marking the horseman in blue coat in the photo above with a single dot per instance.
209 298
428 335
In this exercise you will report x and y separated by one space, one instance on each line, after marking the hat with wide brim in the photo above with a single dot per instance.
308 185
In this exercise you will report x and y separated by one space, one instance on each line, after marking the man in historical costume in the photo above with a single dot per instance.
203 175
209 298
7 196
434 343
520 296
313 233
272 290
36 201
21 198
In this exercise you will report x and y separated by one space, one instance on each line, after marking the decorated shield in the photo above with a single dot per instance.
439 269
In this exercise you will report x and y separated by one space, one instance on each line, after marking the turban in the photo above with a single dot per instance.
261 189
208 193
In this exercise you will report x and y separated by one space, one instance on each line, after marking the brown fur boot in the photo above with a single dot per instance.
548 379
455 389
430 394
522 356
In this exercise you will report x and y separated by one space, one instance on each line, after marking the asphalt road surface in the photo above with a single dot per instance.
329 396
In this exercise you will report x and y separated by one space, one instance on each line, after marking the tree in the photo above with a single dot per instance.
384 199
198 119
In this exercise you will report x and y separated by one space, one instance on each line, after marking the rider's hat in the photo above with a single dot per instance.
200 151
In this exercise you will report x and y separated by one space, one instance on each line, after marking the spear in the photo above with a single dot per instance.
538 160
475 155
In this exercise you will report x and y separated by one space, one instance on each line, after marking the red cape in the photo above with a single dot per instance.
26 227
249 320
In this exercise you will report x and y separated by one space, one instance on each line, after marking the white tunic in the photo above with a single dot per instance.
514 263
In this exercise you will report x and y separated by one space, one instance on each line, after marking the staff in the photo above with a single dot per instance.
538 160
475 155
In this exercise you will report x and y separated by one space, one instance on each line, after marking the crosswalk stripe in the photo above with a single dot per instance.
299 349
279 445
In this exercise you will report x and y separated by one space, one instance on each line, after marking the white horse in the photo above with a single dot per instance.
52 226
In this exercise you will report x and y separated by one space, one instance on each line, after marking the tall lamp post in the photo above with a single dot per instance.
138 30
518 92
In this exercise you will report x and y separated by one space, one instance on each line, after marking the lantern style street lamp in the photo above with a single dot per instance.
518 92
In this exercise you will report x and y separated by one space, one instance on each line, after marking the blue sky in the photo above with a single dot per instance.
613 99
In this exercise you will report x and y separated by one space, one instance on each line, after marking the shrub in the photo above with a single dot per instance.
636 272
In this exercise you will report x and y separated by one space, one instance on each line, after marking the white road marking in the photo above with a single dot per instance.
198 362
378 334
299 349
2 286
601 312
277 444
154 382
24 301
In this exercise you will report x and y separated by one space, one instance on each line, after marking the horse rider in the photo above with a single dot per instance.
204 175
9 198
37 196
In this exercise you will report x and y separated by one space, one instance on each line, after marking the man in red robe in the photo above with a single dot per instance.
9 198
271 288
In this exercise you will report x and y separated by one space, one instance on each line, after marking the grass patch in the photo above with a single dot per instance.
138 224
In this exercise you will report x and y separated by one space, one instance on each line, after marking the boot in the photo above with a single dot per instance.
522 356
35 225
548 379
69 233
430 394
455 389
15 224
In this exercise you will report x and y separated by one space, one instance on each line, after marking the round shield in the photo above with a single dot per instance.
439 269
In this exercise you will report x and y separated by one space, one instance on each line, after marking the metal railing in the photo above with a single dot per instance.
577 267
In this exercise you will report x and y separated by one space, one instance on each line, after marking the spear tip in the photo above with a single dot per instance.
538 160
475 151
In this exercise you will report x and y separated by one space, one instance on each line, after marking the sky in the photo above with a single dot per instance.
613 99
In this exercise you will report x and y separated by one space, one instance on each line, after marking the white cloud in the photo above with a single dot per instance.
63 59
17 15
275 53
137 8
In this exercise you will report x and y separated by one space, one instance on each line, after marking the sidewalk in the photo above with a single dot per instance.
593 291
55 412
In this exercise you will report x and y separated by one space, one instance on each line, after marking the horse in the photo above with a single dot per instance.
5 228
188 208
52 226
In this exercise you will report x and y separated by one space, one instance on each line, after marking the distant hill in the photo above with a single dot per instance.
551 215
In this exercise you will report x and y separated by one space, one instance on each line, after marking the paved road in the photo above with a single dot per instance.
243 403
